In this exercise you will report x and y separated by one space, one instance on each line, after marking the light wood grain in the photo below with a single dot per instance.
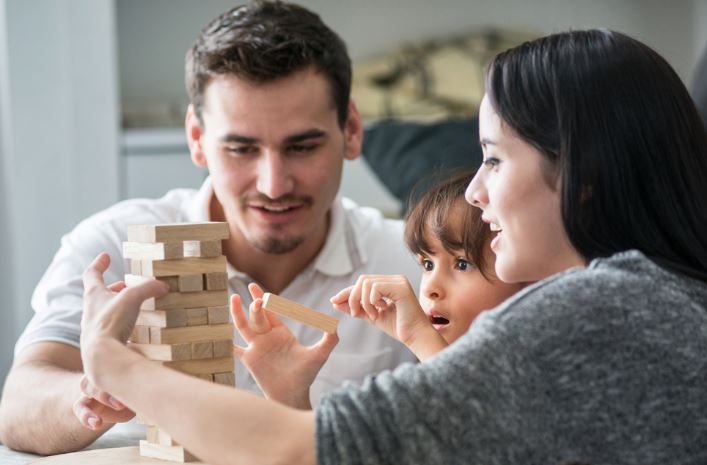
176 232
305 315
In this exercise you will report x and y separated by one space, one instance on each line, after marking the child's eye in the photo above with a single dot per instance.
427 264
462 264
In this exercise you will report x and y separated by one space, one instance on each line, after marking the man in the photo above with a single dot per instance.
271 119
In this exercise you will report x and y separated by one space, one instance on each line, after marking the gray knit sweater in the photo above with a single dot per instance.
603 365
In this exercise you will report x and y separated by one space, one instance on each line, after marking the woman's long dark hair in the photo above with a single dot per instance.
624 136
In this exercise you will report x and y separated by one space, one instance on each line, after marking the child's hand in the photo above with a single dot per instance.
388 302
282 367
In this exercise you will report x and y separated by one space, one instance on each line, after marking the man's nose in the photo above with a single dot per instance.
274 177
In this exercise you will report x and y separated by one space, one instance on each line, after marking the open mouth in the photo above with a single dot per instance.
438 321
276 209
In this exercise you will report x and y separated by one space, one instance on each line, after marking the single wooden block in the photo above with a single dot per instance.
223 348
174 318
197 316
153 251
205 376
190 334
151 434
228 378
202 367
217 315
182 266
304 315
202 248
134 279
178 232
163 437
186 300
140 335
216 281
136 267
171 453
164 352
202 350
191 282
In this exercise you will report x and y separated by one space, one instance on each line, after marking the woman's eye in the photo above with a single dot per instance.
427 265
491 161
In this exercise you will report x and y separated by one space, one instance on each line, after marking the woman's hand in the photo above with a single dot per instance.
283 368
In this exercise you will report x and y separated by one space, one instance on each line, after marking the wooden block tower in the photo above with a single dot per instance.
187 329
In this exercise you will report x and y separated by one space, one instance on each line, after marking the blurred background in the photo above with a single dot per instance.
92 96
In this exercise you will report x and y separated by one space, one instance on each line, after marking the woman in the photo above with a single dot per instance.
595 178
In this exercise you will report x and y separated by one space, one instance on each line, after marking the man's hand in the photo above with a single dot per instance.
282 367
95 408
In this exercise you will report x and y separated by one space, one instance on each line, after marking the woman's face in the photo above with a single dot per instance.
512 189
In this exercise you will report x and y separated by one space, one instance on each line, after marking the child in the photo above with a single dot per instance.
452 244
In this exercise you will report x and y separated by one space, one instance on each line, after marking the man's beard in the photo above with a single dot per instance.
275 246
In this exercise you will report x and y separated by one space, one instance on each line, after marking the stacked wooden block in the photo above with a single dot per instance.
187 329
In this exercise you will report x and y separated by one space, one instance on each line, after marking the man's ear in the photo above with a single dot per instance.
353 133
194 137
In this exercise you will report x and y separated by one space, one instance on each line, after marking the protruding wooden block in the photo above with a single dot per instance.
174 318
202 248
228 379
205 376
178 232
140 335
200 367
216 281
217 315
164 352
153 251
197 316
134 279
202 350
186 300
171 453
182 266
223 348
191 282
304 315
190 334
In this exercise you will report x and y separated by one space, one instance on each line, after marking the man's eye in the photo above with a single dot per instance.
427 265
302 148
241 149
462 264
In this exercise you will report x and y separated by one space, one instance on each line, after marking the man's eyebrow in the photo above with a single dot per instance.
309 134
238 139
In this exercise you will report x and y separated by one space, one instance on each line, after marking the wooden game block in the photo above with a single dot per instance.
174 318
197 316
171 453
206 377
154 251
202 248
216 281
202 367
134 279
136 267
217 315
178 232
161 437
191 282
151 434
223 348
190 334
140 335
164 352
304 315
186 300
202 350
182 266
227 379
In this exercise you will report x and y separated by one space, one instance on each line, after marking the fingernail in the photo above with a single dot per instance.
93 422
115 403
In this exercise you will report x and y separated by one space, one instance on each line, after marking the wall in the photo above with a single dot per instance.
60 133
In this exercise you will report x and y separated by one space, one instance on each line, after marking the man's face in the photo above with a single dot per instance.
275 153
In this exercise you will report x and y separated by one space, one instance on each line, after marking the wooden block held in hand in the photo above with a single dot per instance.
202 248
140 335
216 281
191 282
175 318
217 315
295 311
223 348
152 251
178 232
135 279
186 300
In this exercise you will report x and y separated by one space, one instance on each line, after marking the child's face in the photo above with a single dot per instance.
453 291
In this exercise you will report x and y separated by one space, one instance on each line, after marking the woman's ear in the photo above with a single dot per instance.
194 137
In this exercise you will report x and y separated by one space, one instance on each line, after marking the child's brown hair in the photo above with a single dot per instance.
432 212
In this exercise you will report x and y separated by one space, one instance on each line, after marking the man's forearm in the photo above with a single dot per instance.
36 410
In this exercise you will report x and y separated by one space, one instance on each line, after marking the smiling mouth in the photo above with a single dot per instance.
276 209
